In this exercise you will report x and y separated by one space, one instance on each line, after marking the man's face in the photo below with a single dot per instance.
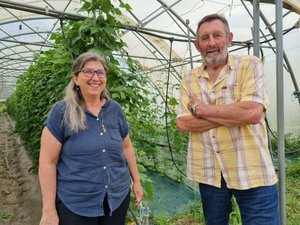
213 42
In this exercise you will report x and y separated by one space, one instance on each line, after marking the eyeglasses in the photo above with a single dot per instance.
89 72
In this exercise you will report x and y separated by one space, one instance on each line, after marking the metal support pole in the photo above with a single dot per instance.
256 14
190 47
280 111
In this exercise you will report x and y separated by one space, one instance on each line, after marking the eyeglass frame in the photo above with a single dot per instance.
99 75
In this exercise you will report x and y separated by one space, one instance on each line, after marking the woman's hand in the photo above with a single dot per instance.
137 192
49 218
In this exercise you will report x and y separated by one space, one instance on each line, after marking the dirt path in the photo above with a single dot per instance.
20 201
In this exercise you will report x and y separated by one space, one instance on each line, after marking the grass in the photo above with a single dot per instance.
2 107
194 215
5 216
293 192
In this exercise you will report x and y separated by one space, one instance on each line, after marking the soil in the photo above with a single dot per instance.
20 197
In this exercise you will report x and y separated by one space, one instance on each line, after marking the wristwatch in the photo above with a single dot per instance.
193 109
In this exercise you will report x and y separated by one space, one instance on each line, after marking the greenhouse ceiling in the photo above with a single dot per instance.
158 33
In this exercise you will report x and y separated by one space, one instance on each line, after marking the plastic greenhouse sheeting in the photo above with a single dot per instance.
159 34
152 28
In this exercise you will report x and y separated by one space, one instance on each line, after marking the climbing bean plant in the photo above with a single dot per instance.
44 82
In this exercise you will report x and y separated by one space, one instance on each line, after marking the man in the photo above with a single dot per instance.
222 106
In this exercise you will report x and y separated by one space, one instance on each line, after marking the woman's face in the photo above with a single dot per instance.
91 79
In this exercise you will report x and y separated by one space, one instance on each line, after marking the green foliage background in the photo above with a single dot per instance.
44 82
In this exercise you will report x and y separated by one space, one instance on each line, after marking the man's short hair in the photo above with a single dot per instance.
211 17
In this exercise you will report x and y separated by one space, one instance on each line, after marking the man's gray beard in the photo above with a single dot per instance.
217 59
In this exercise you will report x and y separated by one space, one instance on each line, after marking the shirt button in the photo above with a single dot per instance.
103 150
101 133
106 186
104 167
213 136
97 119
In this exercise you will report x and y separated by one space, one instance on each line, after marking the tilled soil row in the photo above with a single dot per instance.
20 198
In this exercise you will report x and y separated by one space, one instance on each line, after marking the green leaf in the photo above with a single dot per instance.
173 101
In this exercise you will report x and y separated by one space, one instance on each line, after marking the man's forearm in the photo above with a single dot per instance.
194 124
235 114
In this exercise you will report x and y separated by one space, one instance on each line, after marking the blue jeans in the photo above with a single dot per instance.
258 206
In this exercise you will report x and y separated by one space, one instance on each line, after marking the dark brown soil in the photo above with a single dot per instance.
20 198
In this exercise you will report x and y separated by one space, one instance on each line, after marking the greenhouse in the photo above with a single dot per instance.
148 46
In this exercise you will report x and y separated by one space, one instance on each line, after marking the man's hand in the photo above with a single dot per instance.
192 101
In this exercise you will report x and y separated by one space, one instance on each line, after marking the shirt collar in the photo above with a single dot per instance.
201 69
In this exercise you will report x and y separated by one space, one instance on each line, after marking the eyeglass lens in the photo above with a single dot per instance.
89 72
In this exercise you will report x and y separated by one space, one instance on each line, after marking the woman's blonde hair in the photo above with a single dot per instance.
74 115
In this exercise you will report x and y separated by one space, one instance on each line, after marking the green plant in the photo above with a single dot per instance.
192 216
235 215
3 107
292 202
5 216
152 121
43 83
291 142
293 191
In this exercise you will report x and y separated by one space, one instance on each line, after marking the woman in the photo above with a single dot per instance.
86 156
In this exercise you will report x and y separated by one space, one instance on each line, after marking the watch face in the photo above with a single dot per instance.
192 110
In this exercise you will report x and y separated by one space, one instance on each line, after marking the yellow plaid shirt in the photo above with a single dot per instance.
240 153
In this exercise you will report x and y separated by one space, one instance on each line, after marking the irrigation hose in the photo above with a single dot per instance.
166 109
133 216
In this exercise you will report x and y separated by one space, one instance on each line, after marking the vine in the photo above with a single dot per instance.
43 84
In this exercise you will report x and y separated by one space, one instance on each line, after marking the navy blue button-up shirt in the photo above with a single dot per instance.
91 162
